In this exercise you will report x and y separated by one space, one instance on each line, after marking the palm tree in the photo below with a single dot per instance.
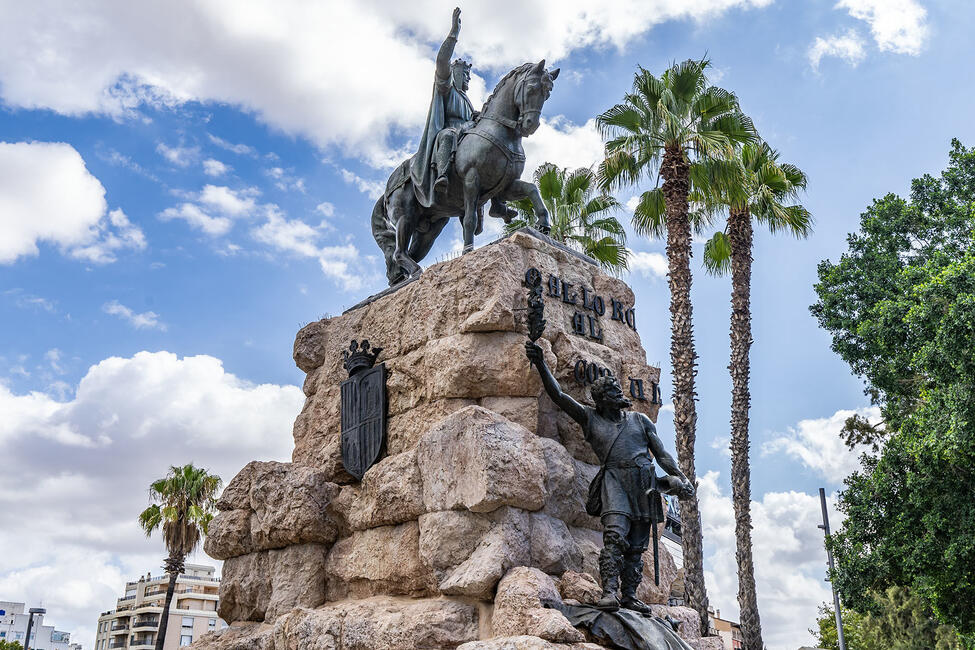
760 191
183 504
579 218
679 129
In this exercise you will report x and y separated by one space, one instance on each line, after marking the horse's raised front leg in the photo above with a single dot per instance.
522 189
472 191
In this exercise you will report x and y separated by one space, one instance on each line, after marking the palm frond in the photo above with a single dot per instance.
717 254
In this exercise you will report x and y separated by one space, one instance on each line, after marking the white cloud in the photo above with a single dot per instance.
213 167
789 556
847 46
77 471
197 218
564 144
178 155
298 238
373 188
239 149
48 195
897 26
215 208
145 320
649 265
326 209
817 444
115 233
278 58
233 203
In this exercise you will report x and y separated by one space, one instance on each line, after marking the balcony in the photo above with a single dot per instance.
142 643
118 628
117 644
145 623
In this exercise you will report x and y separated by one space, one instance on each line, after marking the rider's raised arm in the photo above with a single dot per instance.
575 410
447 49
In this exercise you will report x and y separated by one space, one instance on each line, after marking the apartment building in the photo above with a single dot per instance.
13 627
135 620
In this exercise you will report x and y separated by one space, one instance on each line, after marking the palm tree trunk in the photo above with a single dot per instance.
675 170
740 238
174 567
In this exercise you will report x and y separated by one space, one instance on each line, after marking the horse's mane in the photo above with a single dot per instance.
524 67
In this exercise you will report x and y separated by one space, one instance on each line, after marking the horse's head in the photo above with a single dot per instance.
532 91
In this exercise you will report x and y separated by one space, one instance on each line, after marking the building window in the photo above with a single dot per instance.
185 640
212 623
188 621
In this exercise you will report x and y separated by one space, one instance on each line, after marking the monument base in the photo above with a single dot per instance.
470 529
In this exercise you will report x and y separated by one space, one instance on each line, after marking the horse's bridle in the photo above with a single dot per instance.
516 125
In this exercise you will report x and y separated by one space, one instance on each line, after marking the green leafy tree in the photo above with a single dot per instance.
900 305
764 190
680 130
183 506
580 218
10 645
825 632
899 620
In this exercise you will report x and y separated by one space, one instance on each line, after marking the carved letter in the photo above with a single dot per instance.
553 286
617 310
631 318
636 389
578 324
594 332
598 305
566 298
579 371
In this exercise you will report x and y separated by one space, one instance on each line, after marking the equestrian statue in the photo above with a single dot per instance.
465 159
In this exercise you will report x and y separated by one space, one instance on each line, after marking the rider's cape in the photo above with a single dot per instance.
446 100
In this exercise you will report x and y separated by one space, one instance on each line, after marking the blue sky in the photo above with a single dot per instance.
183 185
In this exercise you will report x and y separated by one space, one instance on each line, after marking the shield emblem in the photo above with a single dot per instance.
363 420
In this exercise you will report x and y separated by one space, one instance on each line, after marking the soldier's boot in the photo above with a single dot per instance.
445 149
610 564
632 575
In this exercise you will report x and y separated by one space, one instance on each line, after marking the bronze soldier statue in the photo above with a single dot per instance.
625 494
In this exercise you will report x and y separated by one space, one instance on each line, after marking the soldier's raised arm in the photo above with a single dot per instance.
575 410
447 49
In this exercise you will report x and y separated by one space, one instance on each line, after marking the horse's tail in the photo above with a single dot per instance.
384 233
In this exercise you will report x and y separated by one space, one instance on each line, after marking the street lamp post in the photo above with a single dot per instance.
829 556
30 624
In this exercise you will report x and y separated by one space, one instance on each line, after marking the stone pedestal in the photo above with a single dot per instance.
474 520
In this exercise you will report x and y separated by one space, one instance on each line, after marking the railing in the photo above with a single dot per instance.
142 643
116 628
126 598
117 644
146 623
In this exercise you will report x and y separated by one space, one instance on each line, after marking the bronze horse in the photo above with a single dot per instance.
488 163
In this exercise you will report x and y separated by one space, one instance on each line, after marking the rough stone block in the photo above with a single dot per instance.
229 535
581 587
290 506
297 578
383 623
476 459
383 560
505 545
391 492
245 588
519 608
